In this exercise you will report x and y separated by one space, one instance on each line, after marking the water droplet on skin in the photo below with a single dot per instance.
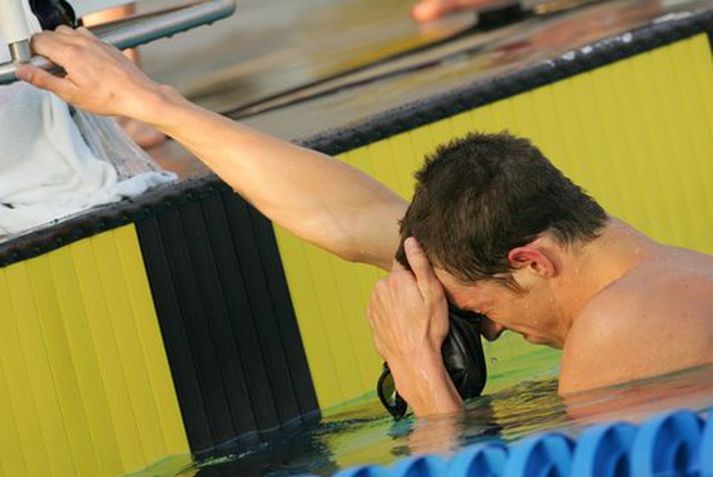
493 361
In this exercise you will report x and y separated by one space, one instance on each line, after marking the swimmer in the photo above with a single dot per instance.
493 226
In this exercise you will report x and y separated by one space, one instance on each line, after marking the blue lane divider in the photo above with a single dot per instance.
706 455
421 466
542 455
676 443
668 445
604 450
487 460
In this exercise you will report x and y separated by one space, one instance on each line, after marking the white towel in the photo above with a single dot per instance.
47 171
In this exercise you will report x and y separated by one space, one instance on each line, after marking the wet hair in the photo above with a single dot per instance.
479 197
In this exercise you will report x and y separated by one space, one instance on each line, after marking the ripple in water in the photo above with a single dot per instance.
365 435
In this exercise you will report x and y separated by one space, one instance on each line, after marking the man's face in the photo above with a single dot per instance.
530 313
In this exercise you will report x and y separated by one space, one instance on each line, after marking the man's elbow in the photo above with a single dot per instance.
355 254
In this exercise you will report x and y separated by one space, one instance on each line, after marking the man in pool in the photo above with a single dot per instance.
493 226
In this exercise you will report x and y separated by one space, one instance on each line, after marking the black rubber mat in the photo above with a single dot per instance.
227 321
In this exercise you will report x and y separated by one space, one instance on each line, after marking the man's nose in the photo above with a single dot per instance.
490 329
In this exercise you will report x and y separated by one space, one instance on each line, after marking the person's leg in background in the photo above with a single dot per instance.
143 135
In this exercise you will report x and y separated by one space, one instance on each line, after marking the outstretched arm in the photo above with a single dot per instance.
314 196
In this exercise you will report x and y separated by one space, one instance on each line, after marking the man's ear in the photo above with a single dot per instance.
533 258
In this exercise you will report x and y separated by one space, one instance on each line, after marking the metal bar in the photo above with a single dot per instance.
143 29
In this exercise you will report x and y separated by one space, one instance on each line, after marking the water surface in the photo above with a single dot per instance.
512 407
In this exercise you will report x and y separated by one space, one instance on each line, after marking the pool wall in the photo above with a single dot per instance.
174 324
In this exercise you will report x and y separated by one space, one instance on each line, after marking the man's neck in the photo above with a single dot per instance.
592 267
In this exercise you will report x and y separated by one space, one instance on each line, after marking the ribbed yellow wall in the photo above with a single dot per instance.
85 388
637 134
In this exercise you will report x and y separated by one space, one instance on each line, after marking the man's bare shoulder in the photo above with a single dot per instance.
656 319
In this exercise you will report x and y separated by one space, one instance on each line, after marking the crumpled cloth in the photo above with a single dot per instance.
47 170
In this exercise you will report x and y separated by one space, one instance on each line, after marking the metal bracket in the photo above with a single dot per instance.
142 29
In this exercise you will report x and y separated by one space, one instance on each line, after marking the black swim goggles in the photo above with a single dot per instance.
463 358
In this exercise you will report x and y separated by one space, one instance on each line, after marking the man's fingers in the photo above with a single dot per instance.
60 48
84 31
421 267
42 79
64 30
73 36
47 43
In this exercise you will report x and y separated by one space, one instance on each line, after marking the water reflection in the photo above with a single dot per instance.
366 435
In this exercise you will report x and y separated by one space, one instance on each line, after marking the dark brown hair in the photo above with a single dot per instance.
479 197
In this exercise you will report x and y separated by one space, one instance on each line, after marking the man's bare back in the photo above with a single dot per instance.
655 319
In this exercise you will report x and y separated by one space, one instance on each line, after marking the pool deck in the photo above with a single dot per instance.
292 75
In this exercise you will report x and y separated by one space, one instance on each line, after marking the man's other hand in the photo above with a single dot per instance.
408 312
97 78
408 315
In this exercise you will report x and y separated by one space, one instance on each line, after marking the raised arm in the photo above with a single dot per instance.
319 199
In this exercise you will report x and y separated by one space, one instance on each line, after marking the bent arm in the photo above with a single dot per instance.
312 195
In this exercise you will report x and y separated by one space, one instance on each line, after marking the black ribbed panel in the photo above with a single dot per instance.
227 320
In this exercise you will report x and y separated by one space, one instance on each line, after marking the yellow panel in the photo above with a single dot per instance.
59 356
85 387
111 372
636 134
309 319
164 396
20 454
382 163
128 342
334 321
44 399
92 393
401 149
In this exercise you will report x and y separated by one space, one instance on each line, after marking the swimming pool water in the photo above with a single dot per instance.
521 399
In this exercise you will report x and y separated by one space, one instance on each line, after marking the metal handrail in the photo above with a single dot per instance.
142 29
